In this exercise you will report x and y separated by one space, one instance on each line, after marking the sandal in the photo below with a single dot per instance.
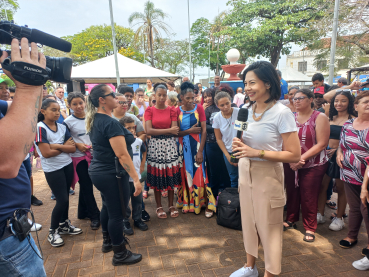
309 235
209 214
291 225
164 193
145 194
331 205
346 244
161 214
174 213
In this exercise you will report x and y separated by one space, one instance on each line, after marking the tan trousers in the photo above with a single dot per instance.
262 200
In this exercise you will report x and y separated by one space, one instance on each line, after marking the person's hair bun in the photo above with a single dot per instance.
187 85
160 85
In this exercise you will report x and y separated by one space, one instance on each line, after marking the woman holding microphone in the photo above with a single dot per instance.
271 128
109 140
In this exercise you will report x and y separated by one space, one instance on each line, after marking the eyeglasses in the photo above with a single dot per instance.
318 95
110 94
123 102
299 98
140 95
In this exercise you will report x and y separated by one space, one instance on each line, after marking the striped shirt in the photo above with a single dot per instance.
307 138
355 148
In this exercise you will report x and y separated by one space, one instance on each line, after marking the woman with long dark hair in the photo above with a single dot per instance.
341 109
109 140
271 139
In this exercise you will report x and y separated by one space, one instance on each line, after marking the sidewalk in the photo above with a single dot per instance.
190 245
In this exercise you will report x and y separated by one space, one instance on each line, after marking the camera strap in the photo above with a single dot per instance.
26 73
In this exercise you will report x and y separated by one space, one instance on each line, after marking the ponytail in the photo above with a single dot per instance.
92 105
45 104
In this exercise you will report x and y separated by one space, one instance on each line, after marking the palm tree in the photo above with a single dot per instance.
151 25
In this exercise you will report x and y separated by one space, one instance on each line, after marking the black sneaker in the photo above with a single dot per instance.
95 224
35 201
145 216
67 228
54 238
141 225
127 229
365 252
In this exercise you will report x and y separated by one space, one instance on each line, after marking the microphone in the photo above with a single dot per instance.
240 125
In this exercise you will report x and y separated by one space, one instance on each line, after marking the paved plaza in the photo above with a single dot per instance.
190 245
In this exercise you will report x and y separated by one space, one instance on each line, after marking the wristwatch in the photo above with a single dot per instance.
261 154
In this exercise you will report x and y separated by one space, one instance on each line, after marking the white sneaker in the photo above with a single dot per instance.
54 238
35 227
337 224
320 218
362 264
245 272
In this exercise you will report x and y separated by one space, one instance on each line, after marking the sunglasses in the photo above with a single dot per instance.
318 95
299 98
123 102
110 94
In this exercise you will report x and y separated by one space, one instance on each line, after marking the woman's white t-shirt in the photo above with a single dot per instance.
226 127
266 133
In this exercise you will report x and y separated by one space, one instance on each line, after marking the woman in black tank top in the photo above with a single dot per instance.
341 109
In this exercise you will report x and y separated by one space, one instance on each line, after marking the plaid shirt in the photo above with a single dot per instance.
61 103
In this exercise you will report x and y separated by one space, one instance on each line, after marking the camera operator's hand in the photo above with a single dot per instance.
24 55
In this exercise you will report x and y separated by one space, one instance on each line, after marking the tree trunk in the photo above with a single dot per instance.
275 54
151 48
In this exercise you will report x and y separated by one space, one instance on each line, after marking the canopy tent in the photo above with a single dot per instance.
291 75
130 71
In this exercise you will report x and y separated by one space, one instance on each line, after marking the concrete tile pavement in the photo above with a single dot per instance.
188 246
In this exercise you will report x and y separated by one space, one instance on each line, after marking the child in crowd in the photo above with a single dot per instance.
87 207
54 145
138 147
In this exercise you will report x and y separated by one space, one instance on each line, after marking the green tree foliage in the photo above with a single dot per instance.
7 9
96 42
266 28
206 36
171 56
150 24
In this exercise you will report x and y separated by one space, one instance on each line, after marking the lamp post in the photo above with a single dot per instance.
189 37
114 44
333 42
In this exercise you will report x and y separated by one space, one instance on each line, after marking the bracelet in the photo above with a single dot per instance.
261 154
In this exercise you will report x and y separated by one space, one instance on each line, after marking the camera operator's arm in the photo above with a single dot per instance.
18 127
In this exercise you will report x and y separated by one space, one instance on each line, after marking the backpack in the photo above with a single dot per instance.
228 209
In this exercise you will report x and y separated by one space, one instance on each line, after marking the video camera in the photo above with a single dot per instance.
58 69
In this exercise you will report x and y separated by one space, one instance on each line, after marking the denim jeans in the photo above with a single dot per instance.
136 202
17 258
233 173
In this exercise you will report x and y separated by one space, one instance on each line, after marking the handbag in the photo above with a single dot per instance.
228 209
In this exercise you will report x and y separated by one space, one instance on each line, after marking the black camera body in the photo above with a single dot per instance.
58 69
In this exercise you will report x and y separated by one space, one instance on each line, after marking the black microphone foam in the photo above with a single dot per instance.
243 115
49 40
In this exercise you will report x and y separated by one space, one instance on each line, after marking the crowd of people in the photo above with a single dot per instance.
177 142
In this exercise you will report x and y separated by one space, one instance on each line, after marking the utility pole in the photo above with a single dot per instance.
333 41
209 62
114 44
189 37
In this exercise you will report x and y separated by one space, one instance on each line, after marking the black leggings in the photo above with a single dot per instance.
87 206
59 181
111 216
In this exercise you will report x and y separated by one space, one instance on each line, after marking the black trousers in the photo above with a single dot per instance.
60 181
111 216
87 206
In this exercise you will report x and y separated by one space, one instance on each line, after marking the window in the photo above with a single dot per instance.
302 66
343 63
321 65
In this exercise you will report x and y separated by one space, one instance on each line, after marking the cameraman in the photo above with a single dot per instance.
18 121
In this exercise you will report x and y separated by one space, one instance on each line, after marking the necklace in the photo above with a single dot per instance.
229 122
260 116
